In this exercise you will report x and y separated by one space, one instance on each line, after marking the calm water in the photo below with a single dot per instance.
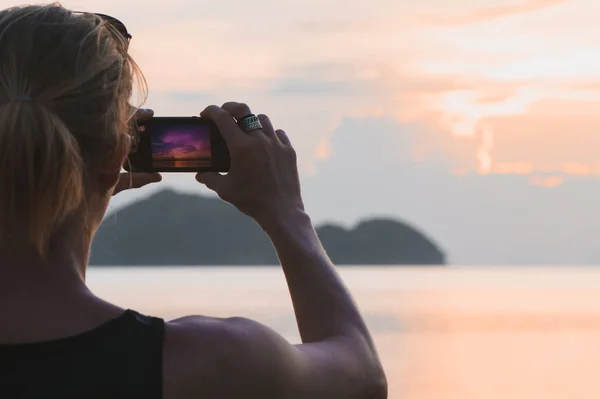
453 333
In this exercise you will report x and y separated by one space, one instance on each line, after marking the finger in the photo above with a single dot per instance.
283 137
237 110
256 133
212 180
230 131
135 180
268 128
141 179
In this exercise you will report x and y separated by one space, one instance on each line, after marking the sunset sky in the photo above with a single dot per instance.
183 143
477 121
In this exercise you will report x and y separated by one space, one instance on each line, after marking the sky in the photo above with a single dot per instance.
475 121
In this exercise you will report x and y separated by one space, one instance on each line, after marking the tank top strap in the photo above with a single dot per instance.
155 324
145 348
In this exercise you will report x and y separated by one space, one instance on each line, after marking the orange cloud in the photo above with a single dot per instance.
491 13
489 75
577 168
556 138
513 168
586 85
484 153
323 150
561 133
547 181
495 97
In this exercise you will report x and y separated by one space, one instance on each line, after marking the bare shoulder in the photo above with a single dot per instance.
239 358
211 357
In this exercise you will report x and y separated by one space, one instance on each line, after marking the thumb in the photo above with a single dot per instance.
139 180
212 180
135 180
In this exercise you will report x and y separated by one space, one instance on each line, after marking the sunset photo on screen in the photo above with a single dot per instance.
181 147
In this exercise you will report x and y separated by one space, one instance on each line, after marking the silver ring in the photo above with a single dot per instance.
249 123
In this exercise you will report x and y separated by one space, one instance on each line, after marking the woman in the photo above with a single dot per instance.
65 83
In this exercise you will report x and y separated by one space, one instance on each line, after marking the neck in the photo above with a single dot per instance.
24 275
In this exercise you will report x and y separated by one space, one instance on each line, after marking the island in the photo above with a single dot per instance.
176 229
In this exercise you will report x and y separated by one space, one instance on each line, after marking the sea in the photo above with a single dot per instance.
441 332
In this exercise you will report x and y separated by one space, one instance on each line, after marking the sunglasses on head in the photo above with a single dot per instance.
117 25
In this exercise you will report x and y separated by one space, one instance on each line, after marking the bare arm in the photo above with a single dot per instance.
337 358
338 354
323 306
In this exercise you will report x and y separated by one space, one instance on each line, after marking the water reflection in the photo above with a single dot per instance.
441 333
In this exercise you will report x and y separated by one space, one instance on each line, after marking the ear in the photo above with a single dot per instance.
108 174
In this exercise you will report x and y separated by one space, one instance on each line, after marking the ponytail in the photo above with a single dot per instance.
56 146
41 174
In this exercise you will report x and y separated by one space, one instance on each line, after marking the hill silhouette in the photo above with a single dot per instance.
171 228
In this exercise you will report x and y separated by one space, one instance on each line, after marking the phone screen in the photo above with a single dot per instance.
181 144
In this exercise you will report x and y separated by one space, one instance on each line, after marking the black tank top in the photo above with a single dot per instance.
120 359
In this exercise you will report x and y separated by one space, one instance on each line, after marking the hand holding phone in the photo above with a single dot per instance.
176 144
263 181
127 181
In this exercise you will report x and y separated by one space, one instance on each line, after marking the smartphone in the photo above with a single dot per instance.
175 144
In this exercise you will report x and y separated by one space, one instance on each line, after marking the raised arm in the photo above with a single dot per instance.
338 355
337 358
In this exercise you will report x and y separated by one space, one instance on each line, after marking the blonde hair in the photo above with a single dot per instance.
65 84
